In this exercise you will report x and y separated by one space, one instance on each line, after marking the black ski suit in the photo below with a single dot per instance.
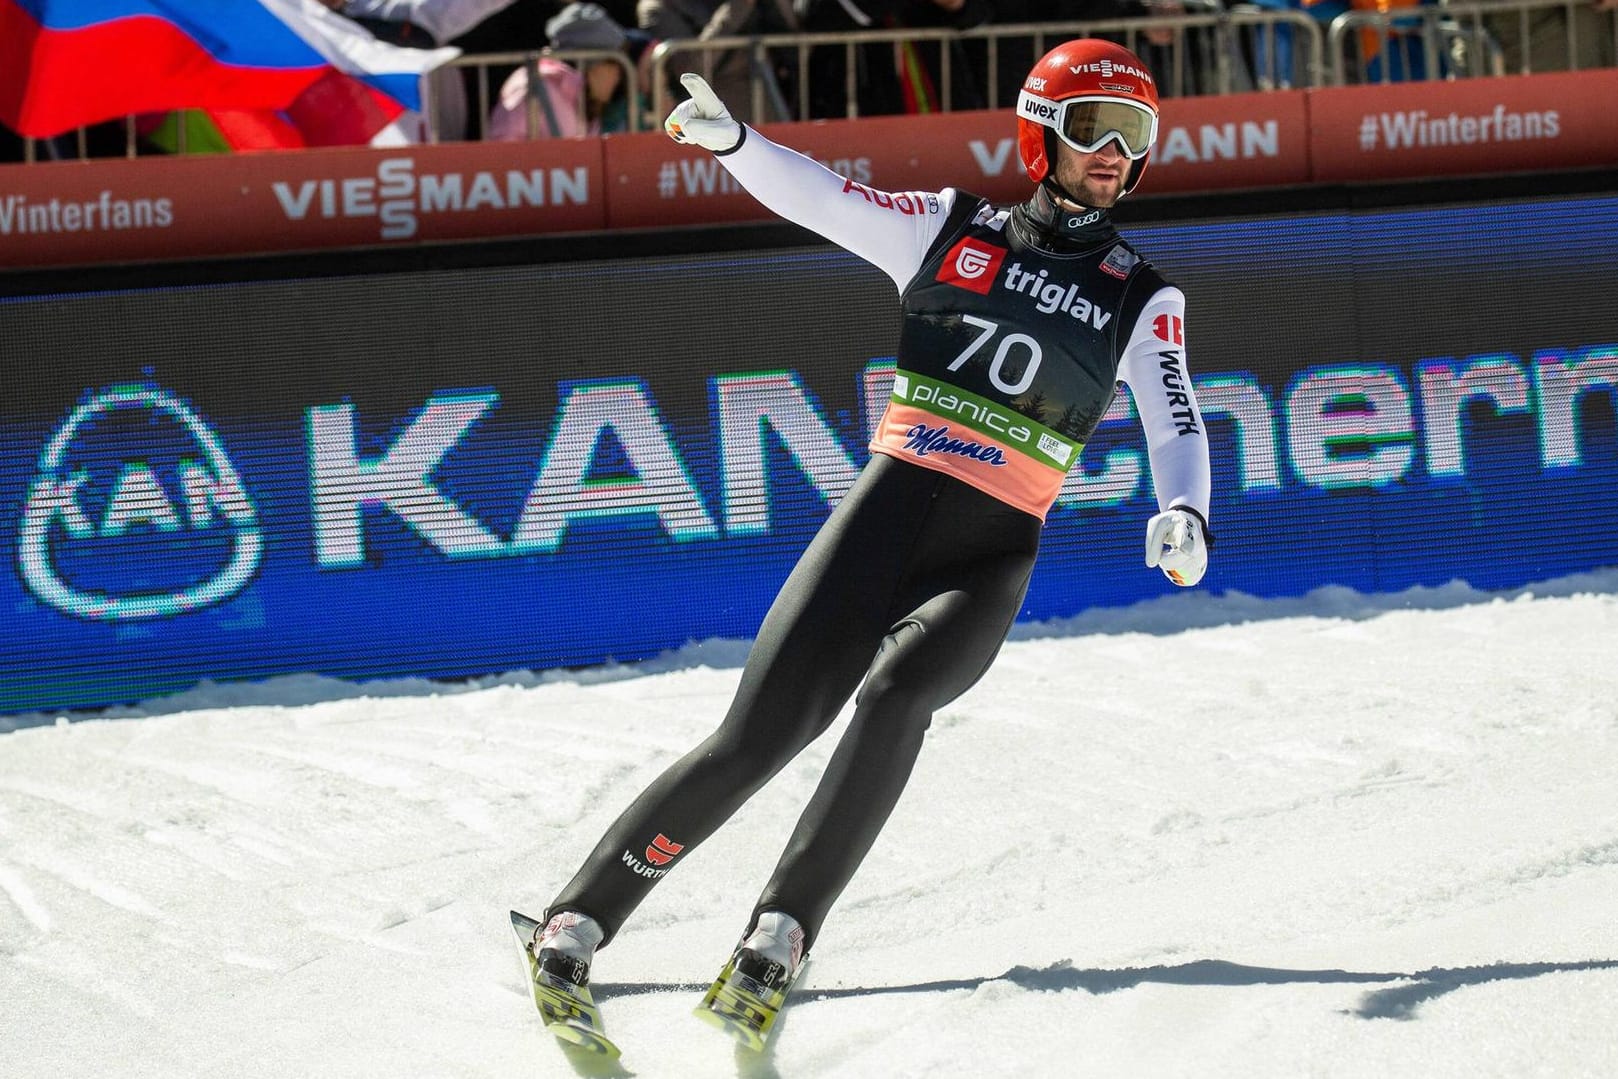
1019 325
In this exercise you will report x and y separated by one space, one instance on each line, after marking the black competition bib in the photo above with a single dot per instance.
1008 358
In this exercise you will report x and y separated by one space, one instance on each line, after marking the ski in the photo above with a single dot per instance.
568 1008
742 1002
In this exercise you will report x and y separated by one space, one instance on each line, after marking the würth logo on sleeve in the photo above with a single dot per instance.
1170 328
972 264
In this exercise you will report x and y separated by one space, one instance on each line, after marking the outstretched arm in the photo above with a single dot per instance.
890 231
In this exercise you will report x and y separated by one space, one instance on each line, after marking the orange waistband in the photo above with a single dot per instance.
992 466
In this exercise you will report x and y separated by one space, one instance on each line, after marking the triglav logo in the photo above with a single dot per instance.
100 494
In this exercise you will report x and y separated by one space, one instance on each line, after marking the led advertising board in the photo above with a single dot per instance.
451 472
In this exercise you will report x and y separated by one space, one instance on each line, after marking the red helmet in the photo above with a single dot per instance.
1088 93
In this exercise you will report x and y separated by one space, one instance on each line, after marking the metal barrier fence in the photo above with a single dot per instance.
1210 49
1471 38
1196 53
538 111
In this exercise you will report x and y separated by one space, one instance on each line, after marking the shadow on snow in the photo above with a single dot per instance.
1394 1002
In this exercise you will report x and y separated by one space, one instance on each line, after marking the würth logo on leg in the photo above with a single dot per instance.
662 850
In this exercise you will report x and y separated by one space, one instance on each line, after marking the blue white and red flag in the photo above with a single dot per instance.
68 63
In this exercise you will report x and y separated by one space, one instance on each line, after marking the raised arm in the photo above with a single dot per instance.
892 231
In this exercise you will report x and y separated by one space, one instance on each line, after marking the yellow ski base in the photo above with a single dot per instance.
742 1007
569 1010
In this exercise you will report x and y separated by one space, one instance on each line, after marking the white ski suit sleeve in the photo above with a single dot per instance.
1154 368
891 231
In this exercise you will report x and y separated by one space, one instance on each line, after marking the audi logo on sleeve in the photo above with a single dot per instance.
972 264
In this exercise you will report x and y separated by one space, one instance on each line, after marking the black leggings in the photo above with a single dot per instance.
911 585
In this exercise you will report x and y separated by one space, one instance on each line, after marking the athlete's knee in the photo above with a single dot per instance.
897 686
893 701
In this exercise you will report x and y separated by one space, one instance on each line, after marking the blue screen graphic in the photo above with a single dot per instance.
450 473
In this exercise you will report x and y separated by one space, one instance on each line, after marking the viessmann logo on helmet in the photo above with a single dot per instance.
1108 70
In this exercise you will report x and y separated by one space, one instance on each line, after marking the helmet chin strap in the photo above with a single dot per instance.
1060 195
1058 220
1057 209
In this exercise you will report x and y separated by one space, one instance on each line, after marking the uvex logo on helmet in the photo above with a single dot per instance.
1037 109
1083 68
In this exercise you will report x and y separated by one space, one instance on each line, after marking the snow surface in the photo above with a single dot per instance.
1333 836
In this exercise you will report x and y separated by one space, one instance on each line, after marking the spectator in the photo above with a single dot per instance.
732 73
1270 54
426 24
890 78
1390 52
1189 55
1544 45
518 28
553 99
920 67
622 11
1017 54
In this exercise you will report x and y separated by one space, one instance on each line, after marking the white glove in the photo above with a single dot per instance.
703 120
1177 544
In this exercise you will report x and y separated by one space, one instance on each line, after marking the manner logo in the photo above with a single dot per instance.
136 512
972 264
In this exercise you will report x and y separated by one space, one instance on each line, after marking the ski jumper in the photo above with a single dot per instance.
1019 324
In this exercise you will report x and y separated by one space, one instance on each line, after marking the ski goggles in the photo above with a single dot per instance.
1089 123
